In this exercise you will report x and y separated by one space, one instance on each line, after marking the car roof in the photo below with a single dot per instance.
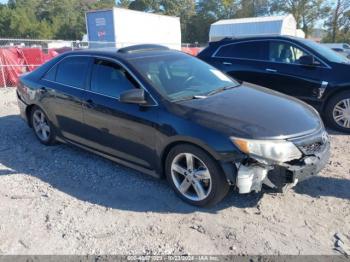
234 39
116 53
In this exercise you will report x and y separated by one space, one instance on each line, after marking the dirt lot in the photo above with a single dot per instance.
62 200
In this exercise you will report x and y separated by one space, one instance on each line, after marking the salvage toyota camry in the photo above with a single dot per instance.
169 114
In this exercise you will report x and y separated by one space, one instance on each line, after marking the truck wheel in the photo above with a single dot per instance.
195 176
337 112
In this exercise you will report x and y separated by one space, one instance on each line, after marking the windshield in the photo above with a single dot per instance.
179 76
326 52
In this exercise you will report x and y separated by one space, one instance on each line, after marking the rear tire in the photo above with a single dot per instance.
199 181
43 129
337 112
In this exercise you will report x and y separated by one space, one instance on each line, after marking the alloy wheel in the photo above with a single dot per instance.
191 176
41 126
341 113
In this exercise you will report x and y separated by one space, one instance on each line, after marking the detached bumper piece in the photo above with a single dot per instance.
281 176
311 165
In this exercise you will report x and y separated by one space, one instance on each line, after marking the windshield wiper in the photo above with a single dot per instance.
220 90
190 98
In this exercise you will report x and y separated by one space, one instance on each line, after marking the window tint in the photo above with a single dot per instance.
72 71
247 50
285 52
110 79
51 74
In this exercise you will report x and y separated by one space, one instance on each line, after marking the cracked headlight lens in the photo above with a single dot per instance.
275 150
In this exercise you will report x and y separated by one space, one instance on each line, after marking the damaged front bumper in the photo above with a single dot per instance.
254 173
310 165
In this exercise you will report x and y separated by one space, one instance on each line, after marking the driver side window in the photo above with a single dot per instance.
110 79
284 52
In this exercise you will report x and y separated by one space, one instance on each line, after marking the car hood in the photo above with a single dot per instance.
251 111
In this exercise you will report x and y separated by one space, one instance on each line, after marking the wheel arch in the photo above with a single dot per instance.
227 168
28 111
327 111
332 95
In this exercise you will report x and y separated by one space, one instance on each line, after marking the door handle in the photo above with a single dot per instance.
226 63
89 104
271 70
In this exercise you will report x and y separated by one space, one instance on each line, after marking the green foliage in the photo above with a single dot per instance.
338 23
65 19
305 12
48 19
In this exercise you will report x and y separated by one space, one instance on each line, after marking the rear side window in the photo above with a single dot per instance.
256 50
72 71
110 79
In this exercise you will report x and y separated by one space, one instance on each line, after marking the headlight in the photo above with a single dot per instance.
276 150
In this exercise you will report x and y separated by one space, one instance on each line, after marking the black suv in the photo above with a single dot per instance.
291 65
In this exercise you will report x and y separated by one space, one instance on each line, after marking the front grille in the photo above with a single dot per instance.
311 144
312 148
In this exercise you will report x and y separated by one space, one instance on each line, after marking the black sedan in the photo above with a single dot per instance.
169 114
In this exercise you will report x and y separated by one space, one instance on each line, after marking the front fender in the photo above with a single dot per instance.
225 158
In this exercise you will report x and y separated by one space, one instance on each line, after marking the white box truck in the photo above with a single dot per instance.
119 27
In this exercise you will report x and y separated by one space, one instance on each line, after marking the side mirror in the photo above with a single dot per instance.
133 96
307 60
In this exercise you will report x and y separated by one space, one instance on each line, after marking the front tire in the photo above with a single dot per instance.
337 112
42 127
195 176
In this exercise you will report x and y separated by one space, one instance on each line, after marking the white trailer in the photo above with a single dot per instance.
254 26
121 27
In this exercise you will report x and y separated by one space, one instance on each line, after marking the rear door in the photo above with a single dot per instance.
123 130
66 83
244 60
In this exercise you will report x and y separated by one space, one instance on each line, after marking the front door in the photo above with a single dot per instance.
285 74
126 131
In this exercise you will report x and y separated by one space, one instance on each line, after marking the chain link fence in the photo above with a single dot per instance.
18 56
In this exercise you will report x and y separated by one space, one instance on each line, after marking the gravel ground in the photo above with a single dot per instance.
62 200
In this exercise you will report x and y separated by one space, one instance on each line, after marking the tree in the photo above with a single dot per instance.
58 19
145 5
338 23
305 12
185 9
124 3
5 20
210 11
253 8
